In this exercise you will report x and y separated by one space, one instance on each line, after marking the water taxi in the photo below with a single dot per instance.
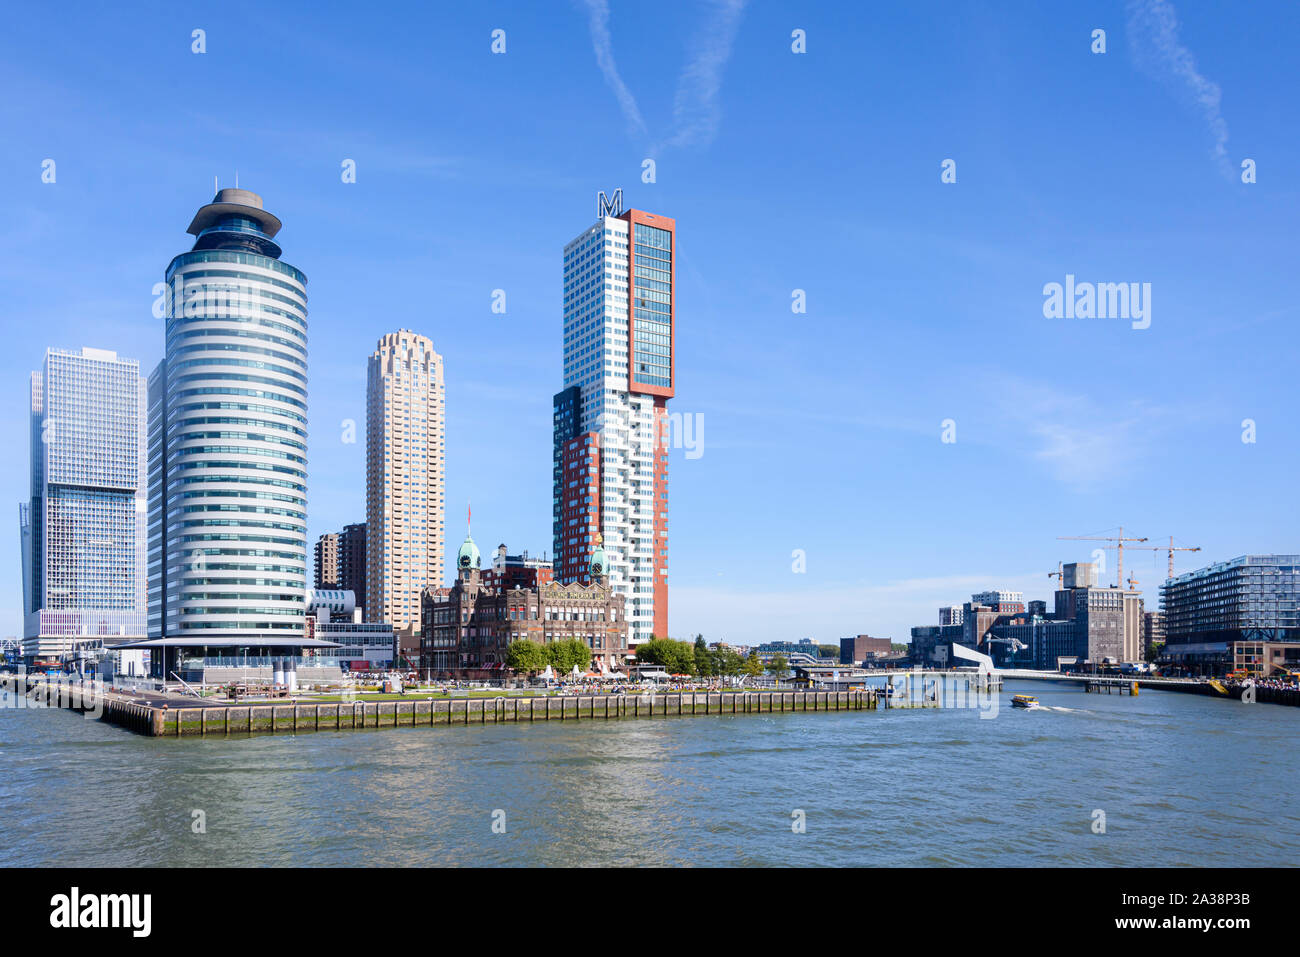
1024 701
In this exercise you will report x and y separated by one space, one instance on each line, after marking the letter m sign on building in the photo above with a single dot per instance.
609 206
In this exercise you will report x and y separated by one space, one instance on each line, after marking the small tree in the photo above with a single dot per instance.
753 667
525 656
566 653
703 660
726 661
678 657
777 666
829 651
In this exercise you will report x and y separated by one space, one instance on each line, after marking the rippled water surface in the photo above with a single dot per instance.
1181 779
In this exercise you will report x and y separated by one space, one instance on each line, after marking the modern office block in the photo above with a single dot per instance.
83 528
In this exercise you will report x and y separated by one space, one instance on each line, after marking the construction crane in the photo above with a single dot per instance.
1119 541
1059 574
1170 548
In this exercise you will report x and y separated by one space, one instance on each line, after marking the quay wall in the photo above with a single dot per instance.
295 718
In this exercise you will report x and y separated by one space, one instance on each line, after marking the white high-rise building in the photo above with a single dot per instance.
228 443
83 529
610 458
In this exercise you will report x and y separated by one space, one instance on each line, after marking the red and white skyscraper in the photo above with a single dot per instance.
611 419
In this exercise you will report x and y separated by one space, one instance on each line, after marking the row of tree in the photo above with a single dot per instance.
676 657
699 660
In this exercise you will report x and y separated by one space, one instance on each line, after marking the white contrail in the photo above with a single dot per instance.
1153 39
696 113
598 20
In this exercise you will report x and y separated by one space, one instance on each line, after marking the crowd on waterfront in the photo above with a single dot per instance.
1278 684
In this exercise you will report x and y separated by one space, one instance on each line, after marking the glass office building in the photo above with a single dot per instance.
227 437
82 529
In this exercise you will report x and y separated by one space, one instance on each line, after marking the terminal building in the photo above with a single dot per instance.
334 616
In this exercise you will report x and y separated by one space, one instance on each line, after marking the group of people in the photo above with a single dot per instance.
1279 684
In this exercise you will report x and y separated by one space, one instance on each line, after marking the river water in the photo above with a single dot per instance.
1180 779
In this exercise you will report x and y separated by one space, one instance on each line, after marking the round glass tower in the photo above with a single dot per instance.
234 431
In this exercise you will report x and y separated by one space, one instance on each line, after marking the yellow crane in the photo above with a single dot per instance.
1119 541
1170 548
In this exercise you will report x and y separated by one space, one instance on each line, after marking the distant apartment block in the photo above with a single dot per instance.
1002 602
341 561
1153 630
861 647
517 571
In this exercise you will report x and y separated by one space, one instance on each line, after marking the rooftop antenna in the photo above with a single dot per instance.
236 179
215 188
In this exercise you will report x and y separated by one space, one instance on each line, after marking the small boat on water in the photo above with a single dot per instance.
1024 701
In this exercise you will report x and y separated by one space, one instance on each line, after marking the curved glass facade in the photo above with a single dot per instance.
228 436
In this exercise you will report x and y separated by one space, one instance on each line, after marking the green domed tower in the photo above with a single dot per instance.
599 569
468 557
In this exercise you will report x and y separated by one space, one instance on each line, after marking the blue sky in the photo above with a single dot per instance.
817 171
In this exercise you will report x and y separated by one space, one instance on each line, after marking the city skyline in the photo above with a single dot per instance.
824 429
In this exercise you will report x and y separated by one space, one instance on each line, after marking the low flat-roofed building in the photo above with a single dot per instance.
218 661
828 677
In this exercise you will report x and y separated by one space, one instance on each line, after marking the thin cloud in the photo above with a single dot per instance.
696 113
1155 45
1082 444
598 21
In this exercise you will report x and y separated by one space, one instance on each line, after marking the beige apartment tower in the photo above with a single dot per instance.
404 477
